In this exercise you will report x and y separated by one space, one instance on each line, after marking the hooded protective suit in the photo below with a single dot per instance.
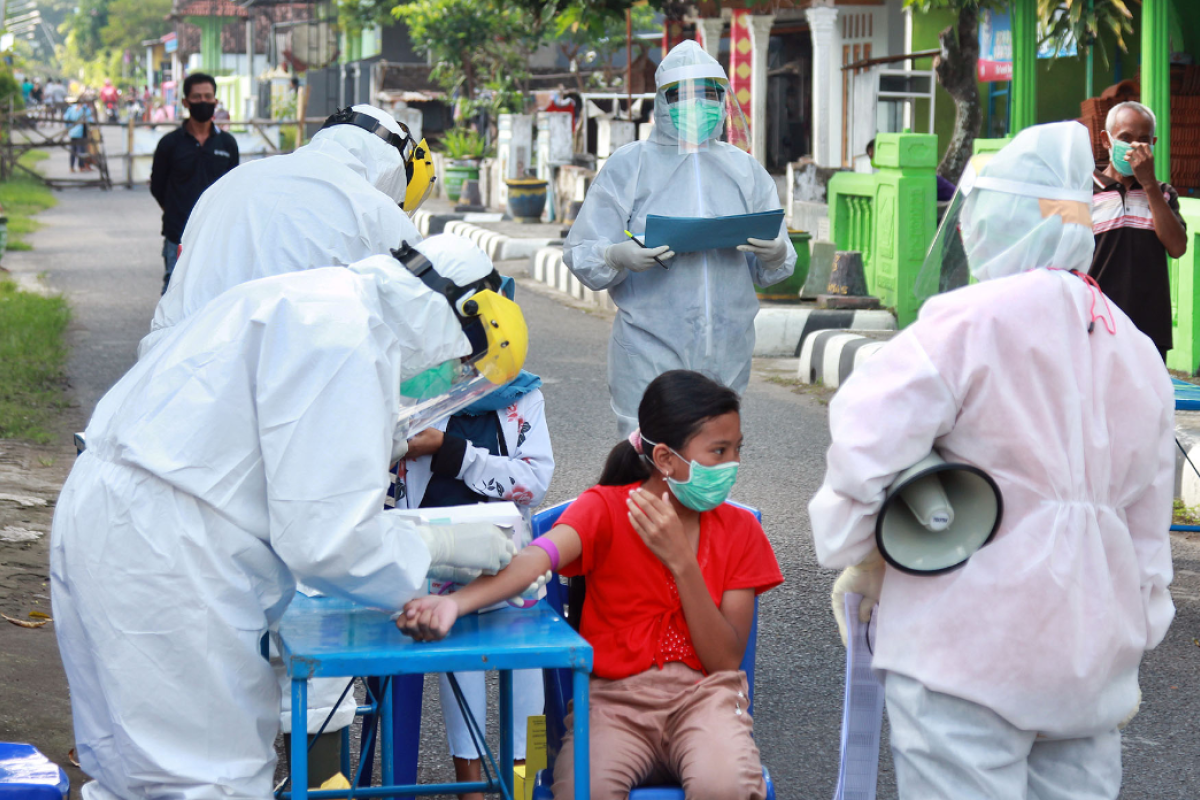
332 202
700 314
1034 378
248 450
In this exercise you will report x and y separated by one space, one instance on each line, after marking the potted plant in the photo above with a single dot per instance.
464 148
788 290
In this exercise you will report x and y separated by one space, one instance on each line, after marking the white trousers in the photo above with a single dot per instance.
946 748
529 700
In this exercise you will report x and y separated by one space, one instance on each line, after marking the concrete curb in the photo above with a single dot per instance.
829 357
780 330
549 268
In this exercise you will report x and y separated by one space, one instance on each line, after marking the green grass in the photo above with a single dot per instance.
33 357
1183 515
22 196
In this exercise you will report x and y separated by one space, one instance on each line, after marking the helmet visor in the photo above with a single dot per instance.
467 385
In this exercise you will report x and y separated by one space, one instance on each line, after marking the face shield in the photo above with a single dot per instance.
498 339
998 224
701 108
417 158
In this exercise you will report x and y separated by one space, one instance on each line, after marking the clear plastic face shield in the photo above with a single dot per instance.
996 227
703 109
945 267
499 340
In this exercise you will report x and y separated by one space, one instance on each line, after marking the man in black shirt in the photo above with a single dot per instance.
1137 225
187 161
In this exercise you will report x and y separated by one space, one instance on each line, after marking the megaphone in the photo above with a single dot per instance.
936 514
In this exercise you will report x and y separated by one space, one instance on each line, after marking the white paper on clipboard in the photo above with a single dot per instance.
862 713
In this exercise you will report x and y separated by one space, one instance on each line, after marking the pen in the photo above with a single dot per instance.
643 246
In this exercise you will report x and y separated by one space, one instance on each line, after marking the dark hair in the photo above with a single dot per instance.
197 77
676 404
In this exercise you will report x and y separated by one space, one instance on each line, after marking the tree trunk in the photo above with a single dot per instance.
956 70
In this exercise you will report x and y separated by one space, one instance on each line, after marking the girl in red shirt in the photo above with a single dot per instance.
671 574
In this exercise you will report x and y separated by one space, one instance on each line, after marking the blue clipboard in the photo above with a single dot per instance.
693 234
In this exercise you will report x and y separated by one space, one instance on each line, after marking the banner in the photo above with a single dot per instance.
995 46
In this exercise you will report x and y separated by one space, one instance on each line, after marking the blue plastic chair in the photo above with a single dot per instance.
558 681
26 774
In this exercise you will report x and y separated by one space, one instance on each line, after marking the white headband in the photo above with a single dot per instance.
692 72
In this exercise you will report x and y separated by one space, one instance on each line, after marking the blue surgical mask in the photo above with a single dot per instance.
706 487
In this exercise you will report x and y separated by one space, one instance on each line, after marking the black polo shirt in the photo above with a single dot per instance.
183 169
1130 263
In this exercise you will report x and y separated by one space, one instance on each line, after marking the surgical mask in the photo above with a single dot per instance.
696 120
1118 151
706 487
202 112
433 382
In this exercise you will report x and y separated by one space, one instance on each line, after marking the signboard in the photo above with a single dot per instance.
995 46
170 43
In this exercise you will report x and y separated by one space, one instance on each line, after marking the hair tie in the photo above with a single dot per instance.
635 439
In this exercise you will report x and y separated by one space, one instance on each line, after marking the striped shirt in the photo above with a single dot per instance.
1130 263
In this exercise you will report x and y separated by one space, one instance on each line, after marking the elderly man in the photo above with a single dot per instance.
1137 225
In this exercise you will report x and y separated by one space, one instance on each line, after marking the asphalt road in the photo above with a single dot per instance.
103 251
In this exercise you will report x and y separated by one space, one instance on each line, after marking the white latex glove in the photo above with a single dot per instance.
772 252
632 256
399 443
469 545
537 586
865 578
459 575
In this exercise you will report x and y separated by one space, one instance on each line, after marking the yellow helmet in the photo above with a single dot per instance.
493 324
419 170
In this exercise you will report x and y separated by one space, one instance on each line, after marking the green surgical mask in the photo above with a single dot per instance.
706 487
1118 151
432 382
697 119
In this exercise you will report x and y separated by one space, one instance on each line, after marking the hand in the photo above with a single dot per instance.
865 579
632 256
428 618
659 526
473 545
772 252
425 443
1141 158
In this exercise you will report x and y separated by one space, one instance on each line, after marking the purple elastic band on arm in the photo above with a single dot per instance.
550 548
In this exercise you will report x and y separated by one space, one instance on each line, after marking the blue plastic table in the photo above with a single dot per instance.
1187 395
326 637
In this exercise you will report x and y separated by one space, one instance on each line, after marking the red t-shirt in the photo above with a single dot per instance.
634 617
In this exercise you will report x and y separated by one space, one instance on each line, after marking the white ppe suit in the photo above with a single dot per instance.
248 450
699 314
1047 624
332 202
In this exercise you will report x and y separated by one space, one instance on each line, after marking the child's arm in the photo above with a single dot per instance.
430 618
718 634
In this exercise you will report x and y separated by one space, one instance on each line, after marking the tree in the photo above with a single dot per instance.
956 64
586 36
100 32
470 40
